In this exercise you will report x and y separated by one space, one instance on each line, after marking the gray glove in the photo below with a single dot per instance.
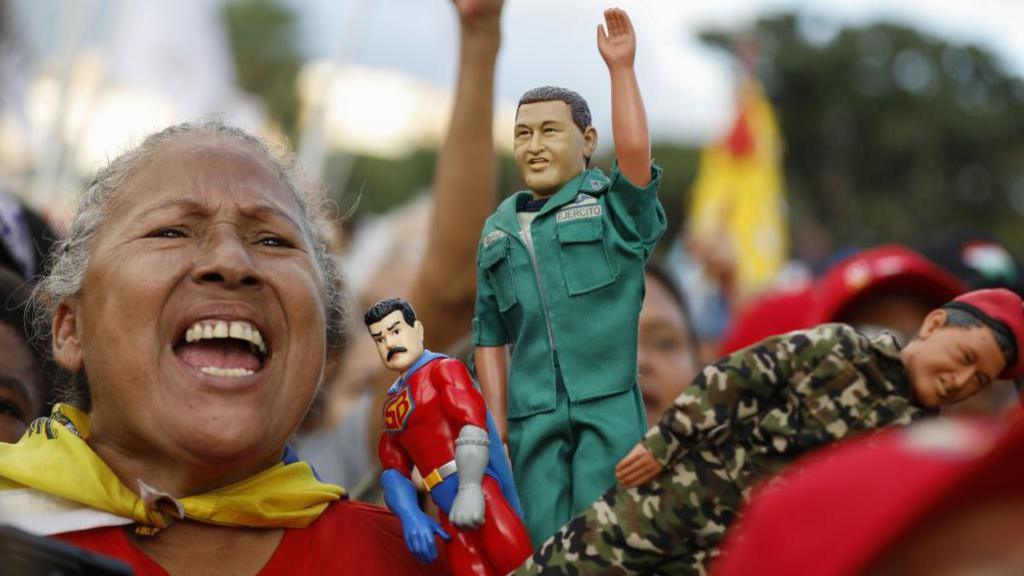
471 455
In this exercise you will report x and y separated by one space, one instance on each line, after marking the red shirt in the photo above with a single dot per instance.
349 538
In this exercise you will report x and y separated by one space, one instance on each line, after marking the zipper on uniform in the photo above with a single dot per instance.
528 242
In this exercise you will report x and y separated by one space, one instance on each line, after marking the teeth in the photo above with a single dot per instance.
226 372
213 329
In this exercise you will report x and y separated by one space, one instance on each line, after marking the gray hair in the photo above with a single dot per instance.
70 256
579 110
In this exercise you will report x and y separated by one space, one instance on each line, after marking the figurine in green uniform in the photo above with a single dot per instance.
561 283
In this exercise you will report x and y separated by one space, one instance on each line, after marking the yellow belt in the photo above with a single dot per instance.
439 474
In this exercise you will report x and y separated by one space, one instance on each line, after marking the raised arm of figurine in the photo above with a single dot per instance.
629 120
465 181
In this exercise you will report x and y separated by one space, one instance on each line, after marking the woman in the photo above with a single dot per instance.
194 301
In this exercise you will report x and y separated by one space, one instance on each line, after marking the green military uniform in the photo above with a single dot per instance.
742 420
565 291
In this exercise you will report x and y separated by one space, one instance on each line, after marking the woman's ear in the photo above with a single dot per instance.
67 346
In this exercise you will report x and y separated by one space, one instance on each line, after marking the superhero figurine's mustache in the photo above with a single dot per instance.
395 350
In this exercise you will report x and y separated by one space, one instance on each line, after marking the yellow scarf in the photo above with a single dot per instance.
53 459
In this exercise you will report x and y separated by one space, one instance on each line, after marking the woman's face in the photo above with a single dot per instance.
200 324
666 354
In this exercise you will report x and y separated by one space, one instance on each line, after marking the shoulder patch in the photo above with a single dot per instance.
493 236
583 198
596 184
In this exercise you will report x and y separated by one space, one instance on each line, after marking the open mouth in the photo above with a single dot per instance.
229 349
537 162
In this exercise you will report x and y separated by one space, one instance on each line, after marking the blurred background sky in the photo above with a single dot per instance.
883 105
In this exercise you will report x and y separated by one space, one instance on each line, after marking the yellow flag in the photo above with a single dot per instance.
739 192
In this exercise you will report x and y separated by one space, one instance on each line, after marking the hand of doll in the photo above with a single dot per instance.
419 530
468 509
479 14
638 467
618 45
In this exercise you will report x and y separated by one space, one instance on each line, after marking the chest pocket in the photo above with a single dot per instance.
837 407
495 260
584 258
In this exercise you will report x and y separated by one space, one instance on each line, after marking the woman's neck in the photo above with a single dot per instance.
179 476
188 547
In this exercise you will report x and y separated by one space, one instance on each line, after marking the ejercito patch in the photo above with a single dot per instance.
578 212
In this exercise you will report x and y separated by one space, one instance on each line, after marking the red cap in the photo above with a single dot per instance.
885 269
1002 311
882 270
771 314
840 509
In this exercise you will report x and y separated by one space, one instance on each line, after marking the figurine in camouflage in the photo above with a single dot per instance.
747 416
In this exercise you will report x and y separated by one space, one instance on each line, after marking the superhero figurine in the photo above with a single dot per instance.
436 420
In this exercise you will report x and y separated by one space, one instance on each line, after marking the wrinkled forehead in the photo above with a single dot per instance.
536 113
393 319
210 170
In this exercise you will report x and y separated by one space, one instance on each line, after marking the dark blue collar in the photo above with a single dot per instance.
424 358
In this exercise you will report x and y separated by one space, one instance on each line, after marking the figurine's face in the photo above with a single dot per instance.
549 148
398 344
948 364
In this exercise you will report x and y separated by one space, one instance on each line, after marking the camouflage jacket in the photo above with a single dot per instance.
763 406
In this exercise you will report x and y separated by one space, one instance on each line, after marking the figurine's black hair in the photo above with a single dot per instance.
963 315
378 311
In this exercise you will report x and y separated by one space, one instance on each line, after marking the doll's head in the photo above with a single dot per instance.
396 331
965 345
553 138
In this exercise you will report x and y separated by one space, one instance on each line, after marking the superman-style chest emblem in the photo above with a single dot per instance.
397 411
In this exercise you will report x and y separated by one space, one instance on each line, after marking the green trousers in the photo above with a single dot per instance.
565 458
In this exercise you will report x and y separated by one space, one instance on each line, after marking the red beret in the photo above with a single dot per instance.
890 269
839 509
1002 311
